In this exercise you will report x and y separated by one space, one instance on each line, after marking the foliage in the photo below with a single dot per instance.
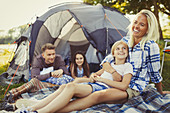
12 35
134 6
3 89
6 39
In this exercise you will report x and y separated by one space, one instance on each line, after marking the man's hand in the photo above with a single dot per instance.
57 73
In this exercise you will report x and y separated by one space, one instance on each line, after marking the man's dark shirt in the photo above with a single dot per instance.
39 64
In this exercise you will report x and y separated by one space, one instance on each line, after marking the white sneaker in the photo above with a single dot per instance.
25 102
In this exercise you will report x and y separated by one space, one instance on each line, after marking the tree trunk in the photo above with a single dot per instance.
156 12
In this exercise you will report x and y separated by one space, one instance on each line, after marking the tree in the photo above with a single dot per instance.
134 6
13 34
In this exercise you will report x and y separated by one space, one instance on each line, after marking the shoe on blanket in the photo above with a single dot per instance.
8 107
25 110
25 102
9 97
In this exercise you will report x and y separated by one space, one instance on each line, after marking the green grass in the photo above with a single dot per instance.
165 73
3 89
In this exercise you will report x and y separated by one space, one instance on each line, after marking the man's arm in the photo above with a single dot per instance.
35 71
60 64
116 76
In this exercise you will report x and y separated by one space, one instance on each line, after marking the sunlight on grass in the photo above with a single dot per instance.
6 55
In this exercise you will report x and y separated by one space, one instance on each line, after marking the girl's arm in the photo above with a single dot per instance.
123 85
116 76
80 80
100 72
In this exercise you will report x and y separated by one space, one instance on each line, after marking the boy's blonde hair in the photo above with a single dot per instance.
153 29
118 43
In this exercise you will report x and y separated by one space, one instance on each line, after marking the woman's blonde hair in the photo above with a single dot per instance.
153 29
118 43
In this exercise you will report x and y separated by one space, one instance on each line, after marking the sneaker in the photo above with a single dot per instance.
25 102
8 107
25 110
9 97
3 78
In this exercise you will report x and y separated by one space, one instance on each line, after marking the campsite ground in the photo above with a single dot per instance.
165 74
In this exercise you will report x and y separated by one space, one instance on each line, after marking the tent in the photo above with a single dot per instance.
70 27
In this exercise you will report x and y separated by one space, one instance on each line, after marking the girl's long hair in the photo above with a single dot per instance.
85 65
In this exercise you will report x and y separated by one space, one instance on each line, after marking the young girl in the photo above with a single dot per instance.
60 98
79 66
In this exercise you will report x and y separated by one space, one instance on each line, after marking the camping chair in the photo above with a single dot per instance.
166 50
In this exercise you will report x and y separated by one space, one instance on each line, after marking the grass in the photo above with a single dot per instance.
3 89
165 74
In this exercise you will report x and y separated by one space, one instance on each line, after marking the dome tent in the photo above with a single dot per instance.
71 27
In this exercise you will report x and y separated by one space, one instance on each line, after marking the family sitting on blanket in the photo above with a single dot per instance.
98 81
48 70
144 56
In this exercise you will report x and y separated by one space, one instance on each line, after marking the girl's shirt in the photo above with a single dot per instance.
122 69
79 72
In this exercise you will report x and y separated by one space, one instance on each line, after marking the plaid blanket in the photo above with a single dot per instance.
59 81
42 93
150 101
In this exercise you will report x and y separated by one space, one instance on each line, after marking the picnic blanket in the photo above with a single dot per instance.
150 101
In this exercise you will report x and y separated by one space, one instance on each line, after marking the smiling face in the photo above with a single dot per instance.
120 52
140 26
49 56
79 60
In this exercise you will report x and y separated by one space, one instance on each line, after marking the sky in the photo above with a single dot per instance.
14 13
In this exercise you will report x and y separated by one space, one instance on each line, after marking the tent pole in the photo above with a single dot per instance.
106 41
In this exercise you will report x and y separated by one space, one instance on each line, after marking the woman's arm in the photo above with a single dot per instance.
159 87
123 85
116 76
100 72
